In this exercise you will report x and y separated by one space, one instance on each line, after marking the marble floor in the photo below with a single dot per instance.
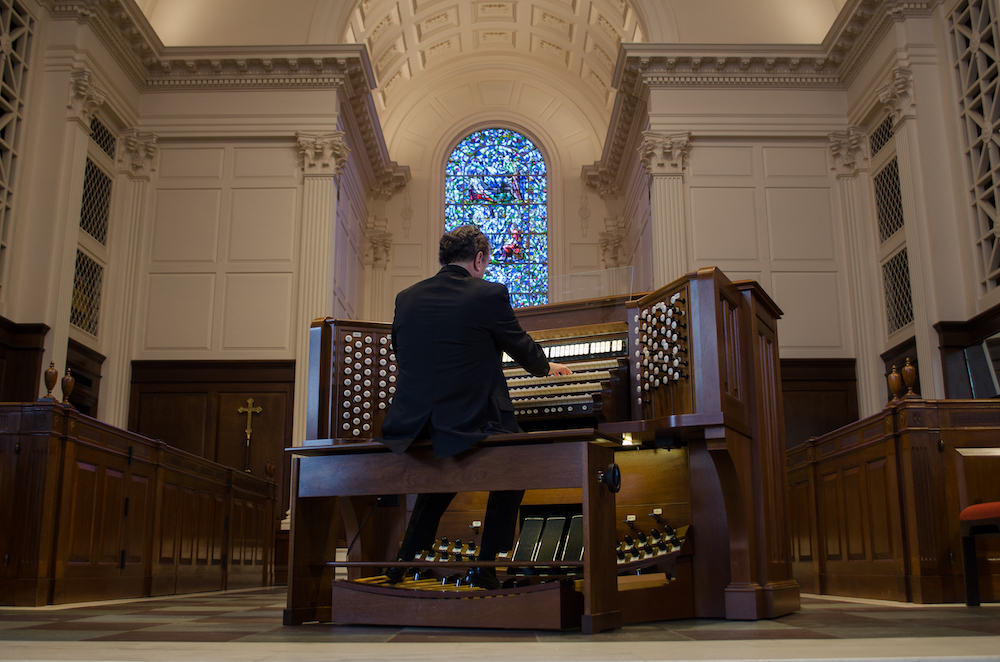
246 626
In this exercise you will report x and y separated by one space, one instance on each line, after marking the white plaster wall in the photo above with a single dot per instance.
219 262
769 211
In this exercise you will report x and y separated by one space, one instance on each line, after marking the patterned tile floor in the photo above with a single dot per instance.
196 622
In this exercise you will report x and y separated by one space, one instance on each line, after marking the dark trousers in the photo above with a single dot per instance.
498 528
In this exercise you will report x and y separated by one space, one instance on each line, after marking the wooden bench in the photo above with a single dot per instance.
323 472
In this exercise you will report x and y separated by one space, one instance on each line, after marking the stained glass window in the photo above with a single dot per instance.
496 180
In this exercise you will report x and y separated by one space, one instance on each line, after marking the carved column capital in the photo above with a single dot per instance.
85 96
612 243
850 150
663 154
136 152
379 245
897 94
322 154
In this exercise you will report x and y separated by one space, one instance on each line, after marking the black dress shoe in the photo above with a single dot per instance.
394 575
483 578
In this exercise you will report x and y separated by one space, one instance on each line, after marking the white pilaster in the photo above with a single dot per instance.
665 159
897 95
136 152
323 157
378 245
84 98
850 155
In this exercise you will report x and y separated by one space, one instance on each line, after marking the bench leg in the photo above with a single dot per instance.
971 571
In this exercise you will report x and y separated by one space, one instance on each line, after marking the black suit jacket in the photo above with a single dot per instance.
448 332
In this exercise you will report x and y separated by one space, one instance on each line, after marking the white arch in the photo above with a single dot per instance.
658 18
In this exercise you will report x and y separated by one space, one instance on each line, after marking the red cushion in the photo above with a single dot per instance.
981 511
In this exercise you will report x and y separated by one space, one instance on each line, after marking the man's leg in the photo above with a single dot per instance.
501 521
427 512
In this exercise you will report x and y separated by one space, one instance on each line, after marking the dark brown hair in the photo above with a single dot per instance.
462 244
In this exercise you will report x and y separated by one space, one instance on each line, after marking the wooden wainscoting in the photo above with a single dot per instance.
92 512
819 395
194 406
875 505
21 349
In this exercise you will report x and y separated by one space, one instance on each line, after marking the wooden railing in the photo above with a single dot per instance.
875 504
89 511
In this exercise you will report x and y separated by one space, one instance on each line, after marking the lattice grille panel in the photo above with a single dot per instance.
86 306
104 138
888 200
16 26
898 299
881 135
96 204
975 37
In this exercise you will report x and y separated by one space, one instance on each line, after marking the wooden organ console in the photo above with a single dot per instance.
680 388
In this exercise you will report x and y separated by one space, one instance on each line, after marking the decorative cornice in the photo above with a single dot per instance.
663 154
628 118
120 25
849 150
901 9
896 94
859 28
85 96
322 155
124 30
136 152
186 70
677 66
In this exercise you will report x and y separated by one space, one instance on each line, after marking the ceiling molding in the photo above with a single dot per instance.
831 65
125 31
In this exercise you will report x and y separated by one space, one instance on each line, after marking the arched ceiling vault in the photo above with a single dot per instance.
574 38
414 45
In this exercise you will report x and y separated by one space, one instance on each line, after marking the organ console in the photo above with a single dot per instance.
680 387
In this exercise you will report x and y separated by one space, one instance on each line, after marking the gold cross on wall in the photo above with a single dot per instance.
249 410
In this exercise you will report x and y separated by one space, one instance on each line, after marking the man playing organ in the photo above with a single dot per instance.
449 333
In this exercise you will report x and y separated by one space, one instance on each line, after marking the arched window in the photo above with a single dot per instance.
496 179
